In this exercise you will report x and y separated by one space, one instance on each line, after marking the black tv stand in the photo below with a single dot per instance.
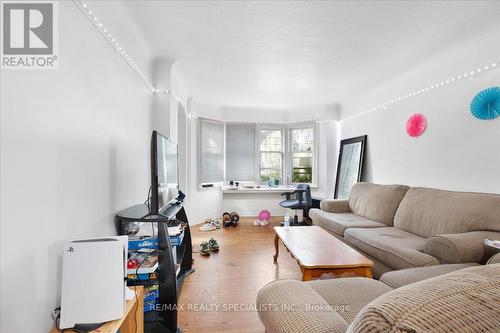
170 282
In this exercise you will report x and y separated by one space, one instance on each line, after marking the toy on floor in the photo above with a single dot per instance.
263 218
230 219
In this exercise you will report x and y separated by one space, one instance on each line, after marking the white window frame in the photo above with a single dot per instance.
282 152
210 185
289 164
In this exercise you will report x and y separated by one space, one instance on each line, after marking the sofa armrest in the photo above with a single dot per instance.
335 206
294 307
495 259
459 248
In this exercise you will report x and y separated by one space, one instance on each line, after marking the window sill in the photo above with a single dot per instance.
257 190
313 187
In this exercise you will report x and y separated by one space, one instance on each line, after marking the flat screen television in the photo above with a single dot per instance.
164 173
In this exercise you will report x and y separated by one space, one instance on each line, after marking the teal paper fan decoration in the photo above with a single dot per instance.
486 104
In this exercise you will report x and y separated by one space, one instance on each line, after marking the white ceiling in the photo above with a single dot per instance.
291 55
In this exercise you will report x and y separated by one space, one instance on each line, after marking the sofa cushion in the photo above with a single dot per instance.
376 202
395 248
402 277
427 212
293 307
339 293
466 300
339 222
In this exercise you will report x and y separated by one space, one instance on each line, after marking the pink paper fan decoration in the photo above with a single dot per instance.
415 126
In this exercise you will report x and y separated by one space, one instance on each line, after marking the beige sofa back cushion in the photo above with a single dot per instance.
466 300
427 212
376 202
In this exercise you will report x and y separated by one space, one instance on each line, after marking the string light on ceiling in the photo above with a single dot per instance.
105 32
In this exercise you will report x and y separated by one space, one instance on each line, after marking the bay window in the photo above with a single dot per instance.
270 155
257 153
301 155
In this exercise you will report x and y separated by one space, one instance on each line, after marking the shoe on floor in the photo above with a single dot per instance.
212 244
204 249
208 226
257 222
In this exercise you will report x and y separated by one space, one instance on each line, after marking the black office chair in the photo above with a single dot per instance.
302 200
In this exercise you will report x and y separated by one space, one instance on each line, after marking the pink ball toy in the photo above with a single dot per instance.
264 215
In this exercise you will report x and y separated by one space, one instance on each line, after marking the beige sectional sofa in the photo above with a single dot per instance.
402 227
465 300
429 245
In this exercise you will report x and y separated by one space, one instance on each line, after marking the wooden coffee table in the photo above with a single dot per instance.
319 252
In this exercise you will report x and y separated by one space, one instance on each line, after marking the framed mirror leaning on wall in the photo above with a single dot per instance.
350 165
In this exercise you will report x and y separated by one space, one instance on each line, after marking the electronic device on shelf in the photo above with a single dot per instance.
164 173
93 282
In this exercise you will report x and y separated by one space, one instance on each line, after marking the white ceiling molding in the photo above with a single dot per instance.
455 79
247 122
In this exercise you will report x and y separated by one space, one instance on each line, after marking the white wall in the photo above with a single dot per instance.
250 204
313 112
182 139
457 151
163 119
327 158
74 150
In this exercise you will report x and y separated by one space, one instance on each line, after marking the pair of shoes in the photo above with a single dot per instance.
211 224
260 222
230 219
210 246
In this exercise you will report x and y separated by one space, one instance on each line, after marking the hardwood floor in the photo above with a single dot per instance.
214 298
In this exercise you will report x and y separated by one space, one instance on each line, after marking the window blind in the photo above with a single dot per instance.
240 152
211 151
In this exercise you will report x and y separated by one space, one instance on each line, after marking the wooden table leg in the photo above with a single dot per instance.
276 247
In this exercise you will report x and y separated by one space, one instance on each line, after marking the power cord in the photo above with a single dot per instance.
57 317
148 200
